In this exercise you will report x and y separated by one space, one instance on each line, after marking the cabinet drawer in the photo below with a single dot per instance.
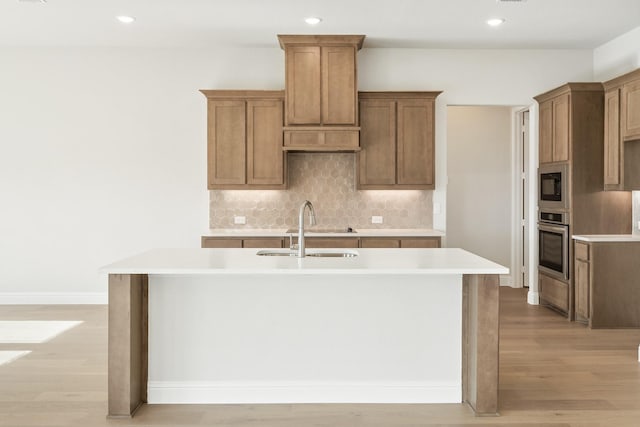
582 251
420 242
329 242
375 242
221 242
554 292
322 139
267 242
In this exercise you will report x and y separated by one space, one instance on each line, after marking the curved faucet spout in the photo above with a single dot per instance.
312 221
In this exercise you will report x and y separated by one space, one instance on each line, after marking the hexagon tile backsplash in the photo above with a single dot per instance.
328 181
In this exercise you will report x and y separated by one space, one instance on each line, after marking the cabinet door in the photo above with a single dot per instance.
377 158
265 158
339 85
582 288
561 125
303 85
545 138
226 151
612 140
415 143
631 110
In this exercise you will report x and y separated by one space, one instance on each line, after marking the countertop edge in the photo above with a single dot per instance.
601 238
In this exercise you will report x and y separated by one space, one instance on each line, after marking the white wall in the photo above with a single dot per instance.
479 193
618 56
103 150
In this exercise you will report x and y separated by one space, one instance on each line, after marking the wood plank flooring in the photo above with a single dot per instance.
552 373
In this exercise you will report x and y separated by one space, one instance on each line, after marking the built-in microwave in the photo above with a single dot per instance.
553 186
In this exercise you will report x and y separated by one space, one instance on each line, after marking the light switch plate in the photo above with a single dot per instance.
376 219
239 219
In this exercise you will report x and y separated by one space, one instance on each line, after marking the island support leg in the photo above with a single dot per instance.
480 343
128 345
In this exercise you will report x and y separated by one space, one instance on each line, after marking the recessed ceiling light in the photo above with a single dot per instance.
312 20
32 1
495 22
125 19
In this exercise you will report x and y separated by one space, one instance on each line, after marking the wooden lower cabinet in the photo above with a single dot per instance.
238 242
606 284
553 292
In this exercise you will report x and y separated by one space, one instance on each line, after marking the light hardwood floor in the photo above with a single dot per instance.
552 373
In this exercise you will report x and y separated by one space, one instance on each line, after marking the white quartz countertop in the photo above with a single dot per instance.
359 232
245 261
607 237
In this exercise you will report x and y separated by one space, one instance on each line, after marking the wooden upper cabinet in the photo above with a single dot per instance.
561 128
545 138
555 129
377 158
245 137
321 79
621 123
265 160
303 85
397 140
612 140
416 143
339 91
631 110
226 148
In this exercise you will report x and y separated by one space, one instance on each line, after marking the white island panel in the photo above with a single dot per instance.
288 339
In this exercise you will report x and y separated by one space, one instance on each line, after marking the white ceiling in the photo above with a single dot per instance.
544 24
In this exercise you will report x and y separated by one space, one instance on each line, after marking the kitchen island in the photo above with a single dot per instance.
228 326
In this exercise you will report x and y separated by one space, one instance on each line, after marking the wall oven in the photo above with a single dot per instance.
553 185
553 244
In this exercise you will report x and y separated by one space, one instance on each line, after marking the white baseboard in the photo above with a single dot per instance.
169 392
45 298
533 298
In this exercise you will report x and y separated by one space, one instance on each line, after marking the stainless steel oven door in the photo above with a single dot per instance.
553 247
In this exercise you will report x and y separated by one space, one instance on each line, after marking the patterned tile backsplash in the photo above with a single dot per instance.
328 181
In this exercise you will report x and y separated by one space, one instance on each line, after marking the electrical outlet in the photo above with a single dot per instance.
239 219
376 219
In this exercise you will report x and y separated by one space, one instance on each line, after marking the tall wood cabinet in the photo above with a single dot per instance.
571 133
622 123
397 140
321 92
244 139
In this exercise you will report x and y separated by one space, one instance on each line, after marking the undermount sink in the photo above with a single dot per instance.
323 253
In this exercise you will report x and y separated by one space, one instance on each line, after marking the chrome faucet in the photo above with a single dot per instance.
312 221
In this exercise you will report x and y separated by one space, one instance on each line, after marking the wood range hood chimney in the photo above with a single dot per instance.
321 92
